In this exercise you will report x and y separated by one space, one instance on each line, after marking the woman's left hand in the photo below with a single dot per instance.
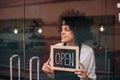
81 72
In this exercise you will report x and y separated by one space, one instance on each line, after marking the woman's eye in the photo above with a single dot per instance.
66 29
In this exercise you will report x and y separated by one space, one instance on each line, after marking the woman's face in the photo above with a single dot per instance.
66 34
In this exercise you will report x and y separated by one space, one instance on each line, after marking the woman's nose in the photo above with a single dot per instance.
62 32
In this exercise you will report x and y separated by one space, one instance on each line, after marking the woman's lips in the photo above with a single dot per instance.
63 37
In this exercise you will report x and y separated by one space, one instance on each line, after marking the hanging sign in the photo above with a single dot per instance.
64 58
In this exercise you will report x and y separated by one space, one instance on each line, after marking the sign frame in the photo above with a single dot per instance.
77 57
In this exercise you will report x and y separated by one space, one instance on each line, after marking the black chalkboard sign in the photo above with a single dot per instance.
65 58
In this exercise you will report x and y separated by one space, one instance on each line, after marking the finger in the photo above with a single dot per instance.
81 73
48 60
47 68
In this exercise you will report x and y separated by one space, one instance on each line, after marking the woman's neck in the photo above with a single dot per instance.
72 43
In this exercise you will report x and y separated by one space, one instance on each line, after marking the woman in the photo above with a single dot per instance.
74 32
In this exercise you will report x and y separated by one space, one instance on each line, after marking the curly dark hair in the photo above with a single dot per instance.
80 26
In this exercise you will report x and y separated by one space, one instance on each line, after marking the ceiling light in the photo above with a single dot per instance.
118 5
15 31
101 28
39 30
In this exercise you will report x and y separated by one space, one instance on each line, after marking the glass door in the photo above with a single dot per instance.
21 41
12 40
11 44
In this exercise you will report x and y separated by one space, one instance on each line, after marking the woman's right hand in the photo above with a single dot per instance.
47 67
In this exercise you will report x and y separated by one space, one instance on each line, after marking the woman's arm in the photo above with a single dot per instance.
87 64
